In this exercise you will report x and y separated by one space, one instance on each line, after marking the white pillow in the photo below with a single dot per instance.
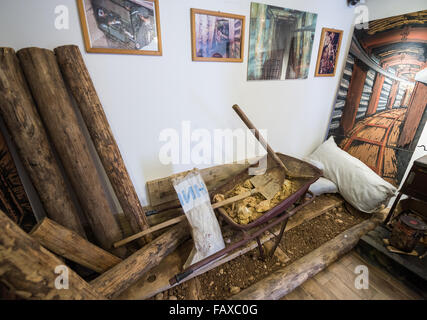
323 185
357 183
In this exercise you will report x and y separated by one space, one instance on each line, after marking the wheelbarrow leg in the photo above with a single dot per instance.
261 250
279 237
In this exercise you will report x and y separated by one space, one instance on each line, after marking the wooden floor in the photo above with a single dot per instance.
337 283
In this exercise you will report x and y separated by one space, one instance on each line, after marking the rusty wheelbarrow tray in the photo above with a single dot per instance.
278 214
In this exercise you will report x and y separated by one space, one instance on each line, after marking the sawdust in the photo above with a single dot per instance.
251 208
219 283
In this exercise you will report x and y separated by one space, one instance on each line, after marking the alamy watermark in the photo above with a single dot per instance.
201 146
62 20
61 281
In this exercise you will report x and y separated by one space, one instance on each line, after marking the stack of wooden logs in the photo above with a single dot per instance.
39 92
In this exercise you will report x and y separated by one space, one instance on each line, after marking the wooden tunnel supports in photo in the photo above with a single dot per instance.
56 110
23 122
124 274
283 281
70 245
28 269
81 86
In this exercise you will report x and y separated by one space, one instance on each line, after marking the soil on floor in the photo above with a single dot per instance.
238 274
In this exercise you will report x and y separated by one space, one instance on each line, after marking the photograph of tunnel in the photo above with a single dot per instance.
380 109
280 42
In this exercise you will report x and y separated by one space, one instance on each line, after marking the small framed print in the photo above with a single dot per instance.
329 49
217 36
121 26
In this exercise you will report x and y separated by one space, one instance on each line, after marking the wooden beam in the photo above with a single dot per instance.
376 93
354 95
157 279
395 36
392 95
124 274
284 280
28 269
23 122
70 245
53 101
413 116
80 83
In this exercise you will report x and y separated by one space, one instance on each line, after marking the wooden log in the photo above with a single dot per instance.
28 269
79 81
70 245
124 274
19 112
49 91
284 280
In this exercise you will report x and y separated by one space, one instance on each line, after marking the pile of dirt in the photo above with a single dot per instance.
238 274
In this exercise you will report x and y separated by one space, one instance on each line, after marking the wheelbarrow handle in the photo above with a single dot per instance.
180 276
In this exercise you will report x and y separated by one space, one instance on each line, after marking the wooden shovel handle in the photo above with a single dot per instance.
259 137
234 199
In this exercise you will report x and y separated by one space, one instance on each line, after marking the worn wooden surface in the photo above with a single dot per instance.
48 89
124 274
19 112
161 191
284 280
337 283
28 270
157 279
70 245
80 83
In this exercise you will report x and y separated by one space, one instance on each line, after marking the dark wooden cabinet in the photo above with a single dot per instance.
415 186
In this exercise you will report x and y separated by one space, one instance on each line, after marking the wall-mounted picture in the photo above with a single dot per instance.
280 42
329 49
121 26
380 110
217 36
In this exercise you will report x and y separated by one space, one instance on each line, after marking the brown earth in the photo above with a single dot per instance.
238 274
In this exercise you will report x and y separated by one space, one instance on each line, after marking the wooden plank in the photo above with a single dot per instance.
298 294
318 291
124 274
70 245
161 190
144 288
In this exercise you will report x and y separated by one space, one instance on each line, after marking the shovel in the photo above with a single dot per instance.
263 184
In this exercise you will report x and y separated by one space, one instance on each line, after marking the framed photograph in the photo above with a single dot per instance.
121 26
280 42
217 36
329 49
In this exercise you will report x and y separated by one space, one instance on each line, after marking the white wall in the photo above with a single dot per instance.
143 95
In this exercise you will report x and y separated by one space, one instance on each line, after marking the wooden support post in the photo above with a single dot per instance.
376 93
416 107
28 269
49 91
354 95
78 79
70 245
19 113
124 274
393 93
284 280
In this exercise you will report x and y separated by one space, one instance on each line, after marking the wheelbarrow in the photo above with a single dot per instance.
279 214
